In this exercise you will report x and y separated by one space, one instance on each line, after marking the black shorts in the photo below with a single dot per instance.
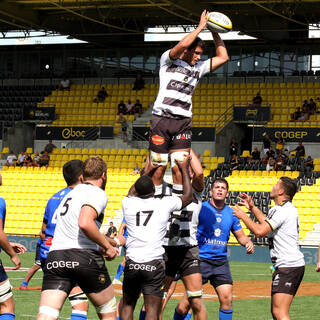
3 274
66 268
37 257
147 277
169 134
182 260
287 280
216 271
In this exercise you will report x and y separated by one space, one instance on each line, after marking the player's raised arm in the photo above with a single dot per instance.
196 166
221 52
187 188
184 44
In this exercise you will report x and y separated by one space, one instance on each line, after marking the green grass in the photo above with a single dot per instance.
27 302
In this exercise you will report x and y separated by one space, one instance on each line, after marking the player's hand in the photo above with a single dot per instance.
18 248
318 267
16 261
184 164
238 212
149 166
203 19
110 253
249 247
245 200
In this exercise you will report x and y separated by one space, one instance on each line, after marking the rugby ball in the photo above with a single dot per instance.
219 22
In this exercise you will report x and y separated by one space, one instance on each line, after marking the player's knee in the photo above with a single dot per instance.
278 313
177 156
46 312
6 293
79 301
196 305
226 301
160 159
108 307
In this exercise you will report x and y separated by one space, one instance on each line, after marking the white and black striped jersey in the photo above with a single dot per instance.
146 221
68 234
178 81
182 226
283 240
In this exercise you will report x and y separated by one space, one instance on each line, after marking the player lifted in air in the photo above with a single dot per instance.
78 249
180 72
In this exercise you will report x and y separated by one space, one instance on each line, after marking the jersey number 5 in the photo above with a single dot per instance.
148 213
66 206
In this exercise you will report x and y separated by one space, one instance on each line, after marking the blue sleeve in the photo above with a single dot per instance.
2 209
46 214
236 225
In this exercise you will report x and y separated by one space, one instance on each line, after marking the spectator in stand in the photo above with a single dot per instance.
124 127
130 107
255 156
270 153
11 159
112 231
279 143
257 100
234 163
44 161
122 108
136 169
138 108
279 165
312 107
49 147
283 156
271 164
20 161
300 151
138 83
27 162
308 165
297 114
266 143
36 160
233 148
101 95
64 84
305 113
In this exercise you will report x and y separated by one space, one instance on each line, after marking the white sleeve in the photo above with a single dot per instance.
276 217
205 67
165 59
96 200
173 203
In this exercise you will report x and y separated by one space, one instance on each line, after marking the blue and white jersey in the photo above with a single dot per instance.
50 220
214 230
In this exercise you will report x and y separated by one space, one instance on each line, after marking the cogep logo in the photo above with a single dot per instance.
291 134
68 133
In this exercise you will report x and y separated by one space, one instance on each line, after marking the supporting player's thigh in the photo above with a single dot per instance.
224 292
193 282
102 297
53 298
281 301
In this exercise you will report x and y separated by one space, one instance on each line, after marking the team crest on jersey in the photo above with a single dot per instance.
185 79
217 232
219 219
102 278
157 140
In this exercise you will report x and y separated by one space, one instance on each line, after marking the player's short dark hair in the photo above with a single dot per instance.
197 42
289 186
71 171
144 187
222 180
93 168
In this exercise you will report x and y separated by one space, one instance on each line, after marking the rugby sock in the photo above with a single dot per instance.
24 283
225 314
177 189
188 316
7 316
119 271
118 318
178 316
79 315
158 190
142 315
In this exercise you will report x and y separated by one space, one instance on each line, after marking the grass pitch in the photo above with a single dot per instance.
27 302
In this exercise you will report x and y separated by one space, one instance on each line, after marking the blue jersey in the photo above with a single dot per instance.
50 220
3 211
214 231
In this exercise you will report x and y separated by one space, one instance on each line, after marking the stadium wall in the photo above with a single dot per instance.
235 253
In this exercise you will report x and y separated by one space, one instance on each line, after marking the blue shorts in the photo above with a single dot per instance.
44 250
215 271
37 258
3 274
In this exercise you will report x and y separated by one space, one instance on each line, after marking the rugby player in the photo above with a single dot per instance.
180 72
216 221
147 217
282 227
78 249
